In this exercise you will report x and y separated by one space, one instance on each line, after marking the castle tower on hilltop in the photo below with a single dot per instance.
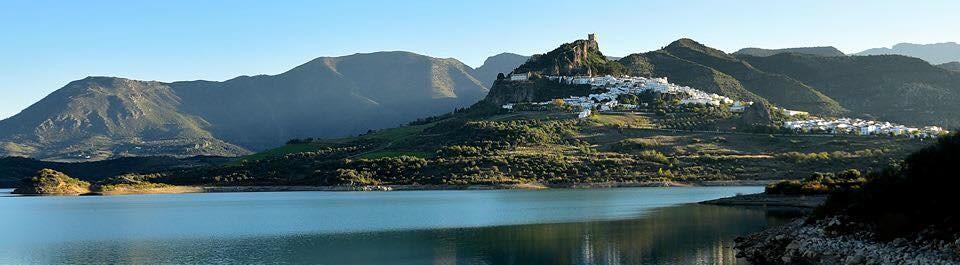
592 37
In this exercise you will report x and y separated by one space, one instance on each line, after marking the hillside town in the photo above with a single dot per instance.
861 127
614 87
803 122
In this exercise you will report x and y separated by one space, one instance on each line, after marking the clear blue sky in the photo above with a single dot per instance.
45 44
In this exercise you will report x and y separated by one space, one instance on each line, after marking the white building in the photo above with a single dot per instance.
584 114
519 76
794 112
740 106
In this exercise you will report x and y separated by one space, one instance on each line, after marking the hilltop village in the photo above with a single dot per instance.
613 88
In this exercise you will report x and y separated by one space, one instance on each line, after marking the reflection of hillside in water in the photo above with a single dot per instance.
688 234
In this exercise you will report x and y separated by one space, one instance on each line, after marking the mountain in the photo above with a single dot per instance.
819 51
887 87
104 117
936 53
533 145
775 88
332 97
497 64
952 66
686 73
581 57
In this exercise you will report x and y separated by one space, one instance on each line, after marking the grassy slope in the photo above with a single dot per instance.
890 87
776 88
606 147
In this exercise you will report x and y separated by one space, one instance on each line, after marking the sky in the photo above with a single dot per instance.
46 44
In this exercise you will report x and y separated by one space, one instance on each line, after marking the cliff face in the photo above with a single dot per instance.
581 57
534 90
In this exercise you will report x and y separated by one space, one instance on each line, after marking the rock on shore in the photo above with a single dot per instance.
800 243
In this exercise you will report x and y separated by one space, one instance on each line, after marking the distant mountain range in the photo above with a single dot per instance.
819 51
101 117
952 66
937 53
890 87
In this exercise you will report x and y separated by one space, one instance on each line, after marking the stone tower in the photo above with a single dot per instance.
592 37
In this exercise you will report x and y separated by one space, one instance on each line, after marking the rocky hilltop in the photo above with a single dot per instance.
581 57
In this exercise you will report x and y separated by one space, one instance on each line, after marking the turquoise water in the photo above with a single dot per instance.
595 226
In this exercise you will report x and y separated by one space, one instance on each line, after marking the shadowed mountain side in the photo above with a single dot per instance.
105 117
687 73
778 89
332 97
889 87
500 63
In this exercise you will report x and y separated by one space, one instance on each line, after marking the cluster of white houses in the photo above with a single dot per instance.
614 87
861 127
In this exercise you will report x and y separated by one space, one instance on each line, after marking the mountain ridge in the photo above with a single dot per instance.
103 117
788 93
819 51
935 53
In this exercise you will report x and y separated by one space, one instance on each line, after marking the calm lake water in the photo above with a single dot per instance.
594 226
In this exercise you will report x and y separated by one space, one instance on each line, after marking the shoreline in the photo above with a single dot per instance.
800 242
525 186
771 200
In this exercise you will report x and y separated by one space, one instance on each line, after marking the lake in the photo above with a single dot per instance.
588 226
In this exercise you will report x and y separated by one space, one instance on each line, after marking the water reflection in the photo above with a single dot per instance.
687 234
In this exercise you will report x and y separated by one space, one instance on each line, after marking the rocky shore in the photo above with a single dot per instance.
771 200
800 243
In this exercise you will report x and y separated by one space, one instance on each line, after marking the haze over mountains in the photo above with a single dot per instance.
937 53
102 117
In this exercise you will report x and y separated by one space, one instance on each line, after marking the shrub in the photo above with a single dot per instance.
905 199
